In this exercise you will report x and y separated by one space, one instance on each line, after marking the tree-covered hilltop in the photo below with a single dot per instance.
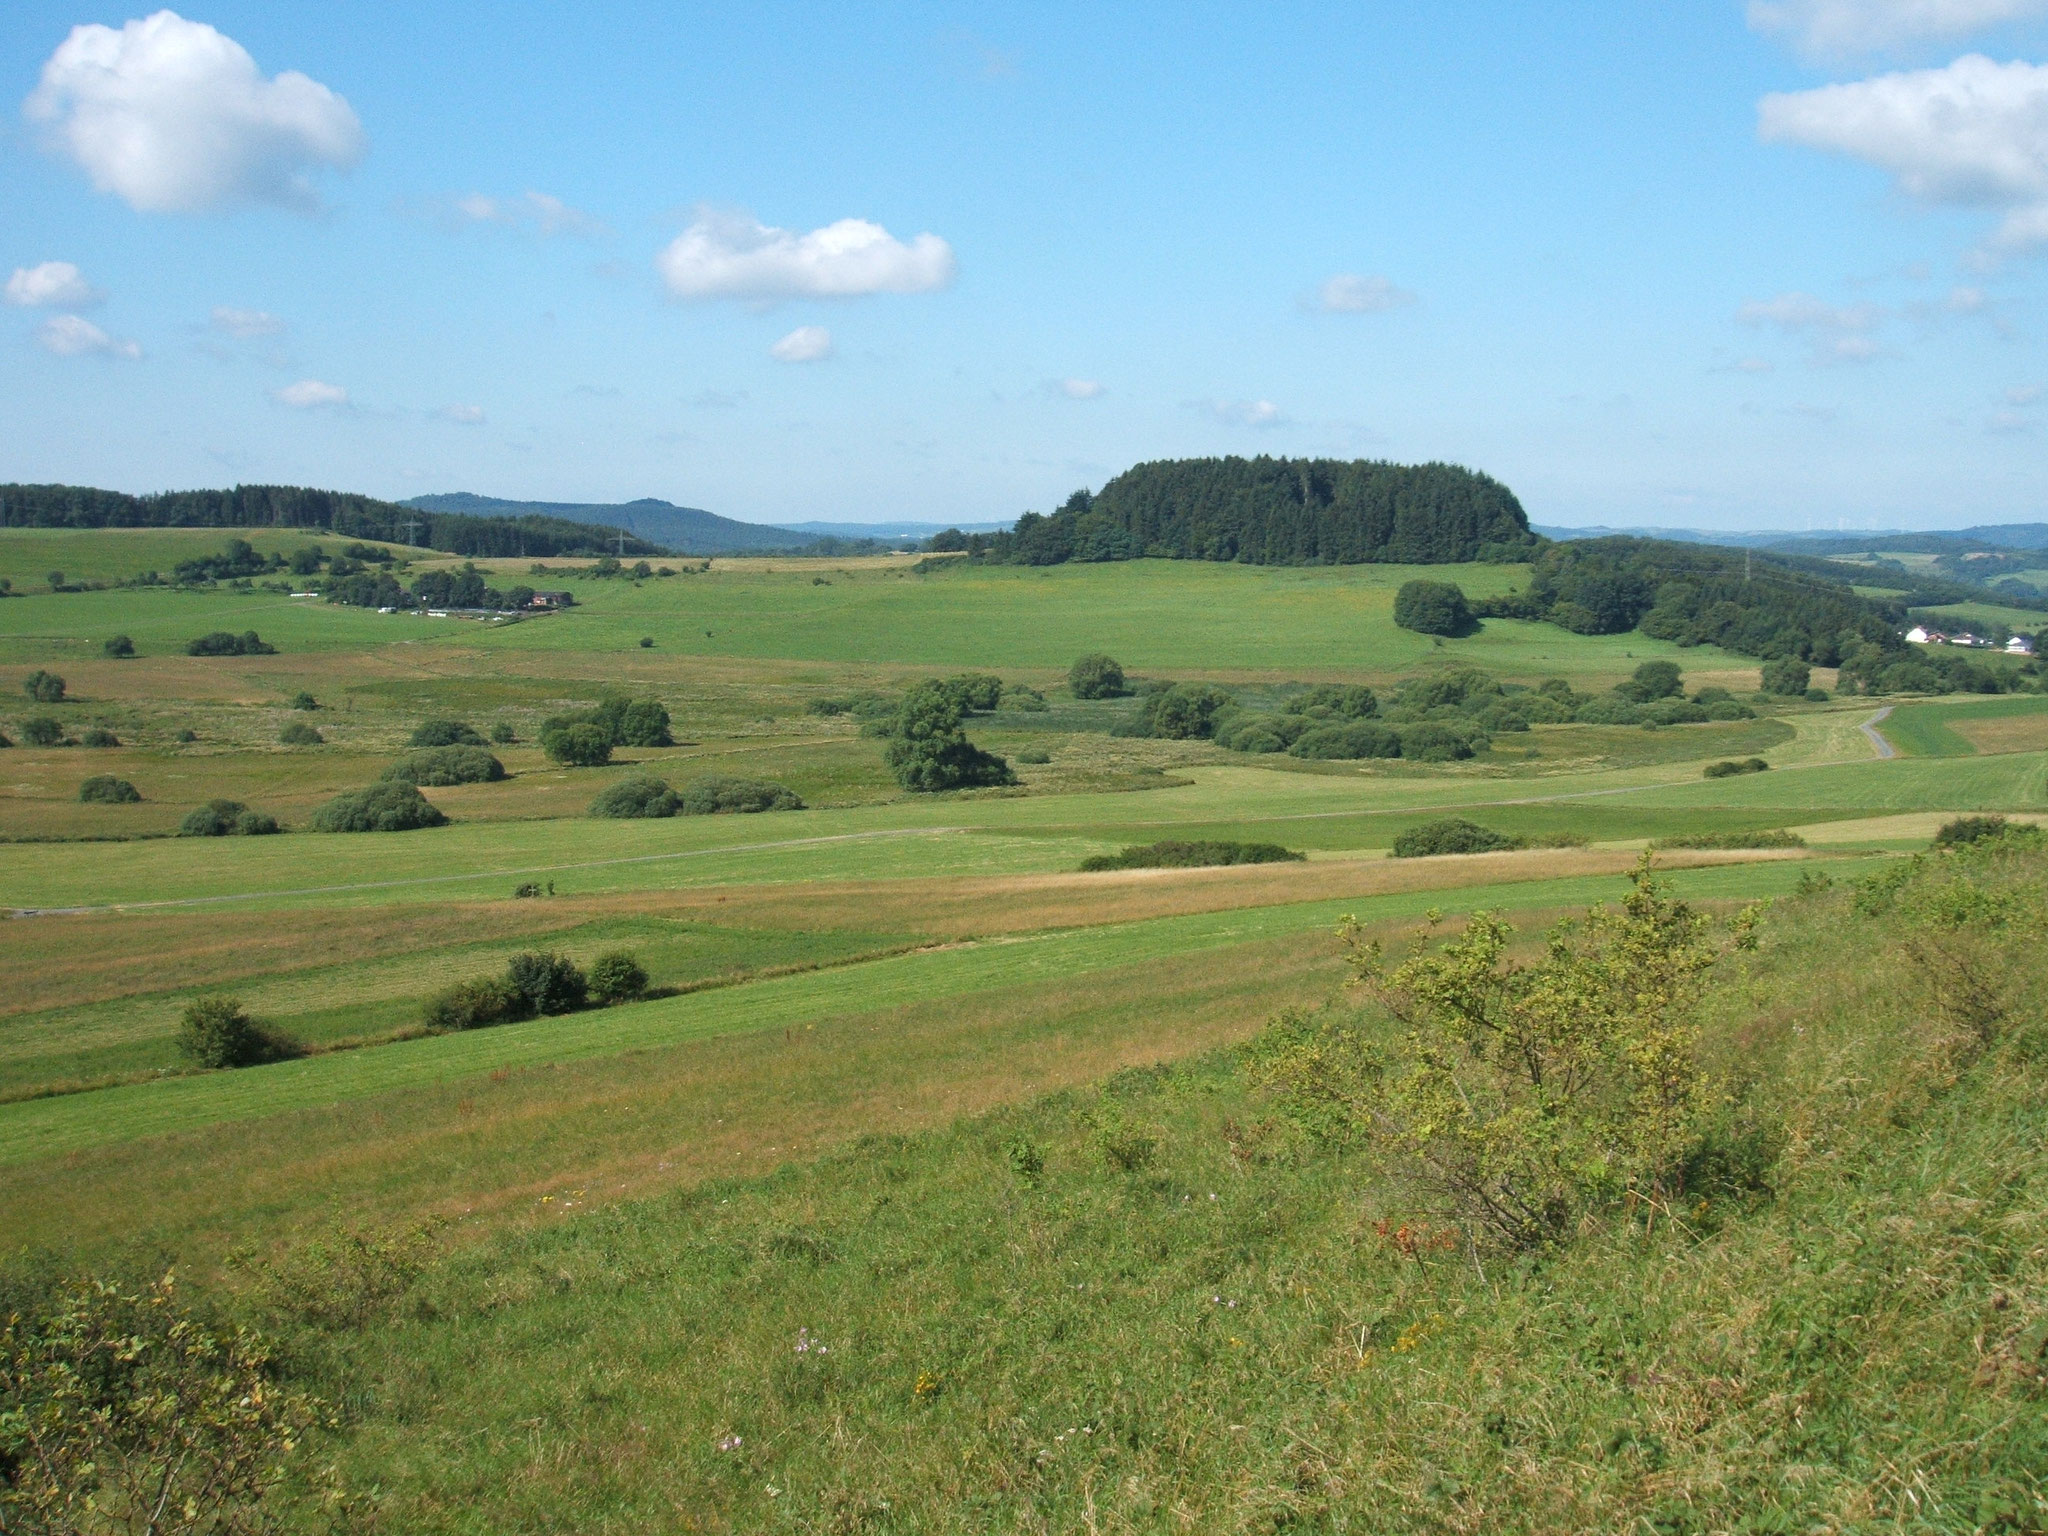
289 506
1700 594
1267 511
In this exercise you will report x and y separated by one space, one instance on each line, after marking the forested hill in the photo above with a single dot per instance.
291 506
1276 512
686 530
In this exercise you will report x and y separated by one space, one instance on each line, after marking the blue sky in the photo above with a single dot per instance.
1701 265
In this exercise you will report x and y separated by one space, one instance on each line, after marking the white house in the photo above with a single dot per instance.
1918 634
2019 645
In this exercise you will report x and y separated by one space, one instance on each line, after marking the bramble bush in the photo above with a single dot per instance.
441 766
1729 768
1433 608
299 734
1096 676
220 643
98 736
617 977
634 799
217 1032
476 1004
120 647
226 818
44 687
927 750
549 982
576 745
444 733
1453 834
384 807
42 731
1191 855
105 789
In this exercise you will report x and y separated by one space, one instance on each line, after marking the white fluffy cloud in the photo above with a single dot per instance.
69 336
535 211
51 285
805 344
311 395
726 255
1838 333
174 117
1348 293
1080 389
1246 413
244 324
1836 28
1972 134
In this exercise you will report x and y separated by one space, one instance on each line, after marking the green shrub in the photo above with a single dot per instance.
632 799
550 983
304 700
1096 676
1816 695
1191 855
444 733
119 647
1728 768
617 977
927 751
1019 696
300 734
647 642
1787 677
640 723
503 734
1184 712
5 740
577 746
1776 837
1431 741
225 818
974 692
220 643
216 1032
42 731
721 795
1453 834
439 766
1653 680
105 789
44 687
1965 830
384 807
99 736
1034 755
476 1004
1433 608
186 733
1331 743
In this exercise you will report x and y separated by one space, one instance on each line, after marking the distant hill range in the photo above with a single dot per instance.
1984 536
692 530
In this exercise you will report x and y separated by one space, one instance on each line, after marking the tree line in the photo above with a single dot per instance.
1268 511
289 506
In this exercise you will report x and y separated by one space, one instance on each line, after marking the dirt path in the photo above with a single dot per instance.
1869 728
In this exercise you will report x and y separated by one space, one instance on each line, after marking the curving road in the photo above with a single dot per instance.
1869 728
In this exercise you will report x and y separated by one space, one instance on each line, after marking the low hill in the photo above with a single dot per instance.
686 530
338 512
1268 511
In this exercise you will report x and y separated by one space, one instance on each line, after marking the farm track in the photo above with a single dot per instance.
1870 728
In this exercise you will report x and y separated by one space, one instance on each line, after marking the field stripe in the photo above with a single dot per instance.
49 1127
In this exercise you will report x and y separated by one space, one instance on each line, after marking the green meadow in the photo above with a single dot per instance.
886 1039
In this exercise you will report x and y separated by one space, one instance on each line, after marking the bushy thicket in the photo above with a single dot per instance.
217 1032
44 687
299 734
98 736
1174 854
1452 834
585 738
1433 608
1729 768
1774 837
384 807
537 983
226 818
105 789
221 643
1096 676
42 731
444 733
1181 712
718 794
434 766
927 750
1267 511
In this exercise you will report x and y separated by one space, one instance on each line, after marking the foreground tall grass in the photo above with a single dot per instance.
1156 1306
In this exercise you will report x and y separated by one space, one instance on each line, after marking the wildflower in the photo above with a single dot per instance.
730 1443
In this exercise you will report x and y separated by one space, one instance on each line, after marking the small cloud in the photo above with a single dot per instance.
805 344
464 415
1845 28
172 116
1837 333
311 395
51 285
1080 389
70 336
1349 293
732 255
1245 413
2008 423
2022 394
533 211
1964 300
245 324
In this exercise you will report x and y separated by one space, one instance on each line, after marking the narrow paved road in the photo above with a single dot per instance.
1869 728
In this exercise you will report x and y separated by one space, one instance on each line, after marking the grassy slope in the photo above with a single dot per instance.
27 555
1219 1339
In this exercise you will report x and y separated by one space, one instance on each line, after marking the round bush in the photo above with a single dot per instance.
446 765
215 1032
1433 608
550 983
719 795
42 731
503 734
444 733
1451 835
1787 677
476 1004
44 687
1096 676
99 736
186 734
304 700
578 746
1034 756
105 789
300 734
216 818
120 646
254 824
617 977
385 807
1359 739
1429 742
633 799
